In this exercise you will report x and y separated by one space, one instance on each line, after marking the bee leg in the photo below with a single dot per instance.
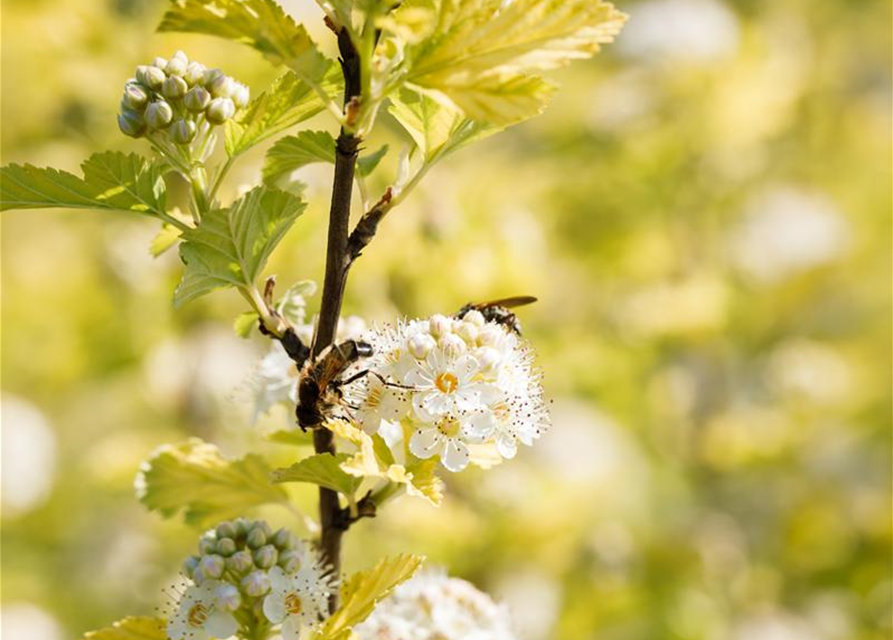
393 385
355 377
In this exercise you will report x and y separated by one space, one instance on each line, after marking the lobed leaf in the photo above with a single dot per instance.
323 469
363 590
112 181
289 101
231 246
195 478
132 628
261 24
293 152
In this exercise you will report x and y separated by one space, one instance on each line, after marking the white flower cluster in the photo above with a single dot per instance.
243 569
455 383
433 606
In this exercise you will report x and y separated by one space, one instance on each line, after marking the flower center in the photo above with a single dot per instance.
198 614
446 382
374 398
501 411
449 427
293 604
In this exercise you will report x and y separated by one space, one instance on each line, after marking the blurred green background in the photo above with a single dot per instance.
704 213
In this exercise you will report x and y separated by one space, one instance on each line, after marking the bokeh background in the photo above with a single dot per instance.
704 213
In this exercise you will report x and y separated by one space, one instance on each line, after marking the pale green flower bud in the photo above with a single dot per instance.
189 566
159 62
222 87
227 597
225 530
182 131
256 538
212 566
131 123
475 317
150 76
290 560
420 345
242 526
468 332
241 96
176 66
264 526
239 562
135 96
226 546
266 556
159 115
197 99
195 73
210 76
220 110
284 539
181 55
174 87
439 325
256 583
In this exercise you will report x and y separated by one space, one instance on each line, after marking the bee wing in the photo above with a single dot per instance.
508 303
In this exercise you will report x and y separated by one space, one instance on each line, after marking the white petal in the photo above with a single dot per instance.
467 400
438 403
455 455
291 628
371 422
465 368
221 624
425 443
176 628
506 446
418 378
279 580
481 425
274 607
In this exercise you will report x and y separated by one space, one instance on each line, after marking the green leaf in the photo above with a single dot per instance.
293 152
437 129
366 164
195 477
294 437
261 24
363 590
288 102
245 323
164 240
112 181
322 469
132 628
484 56
231 246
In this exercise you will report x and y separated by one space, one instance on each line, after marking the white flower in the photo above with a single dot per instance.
444 385
199 617
274 380
509 418
298 600
433 606
381 402
446 437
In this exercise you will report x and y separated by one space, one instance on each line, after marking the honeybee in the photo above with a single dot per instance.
319 389
498 310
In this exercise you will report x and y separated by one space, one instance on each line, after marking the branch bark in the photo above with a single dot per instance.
337 261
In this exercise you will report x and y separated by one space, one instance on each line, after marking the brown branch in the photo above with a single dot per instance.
367 227
330 512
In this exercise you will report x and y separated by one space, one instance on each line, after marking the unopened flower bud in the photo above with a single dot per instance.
211 75
256 583
489 335
131 123
225 529
207 543
266 556
159 62
135 97
452 345
290 560
242 526
176 66
439 325
420 345
475 317
220 110
282 539
212 566
174 87
179 53
159 115
189 565
226 546
239 562
150 76
241 96
468 332
195 73
264 526
227 597
183 131
197 99
489 359
256 538
222 87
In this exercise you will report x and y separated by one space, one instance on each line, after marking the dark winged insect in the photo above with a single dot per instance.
499 310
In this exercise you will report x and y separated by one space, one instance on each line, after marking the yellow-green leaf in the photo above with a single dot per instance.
293 152
195 478
164 240
322 469
363 590
132 628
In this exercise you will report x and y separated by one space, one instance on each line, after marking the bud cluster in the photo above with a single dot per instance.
179 98
242 565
